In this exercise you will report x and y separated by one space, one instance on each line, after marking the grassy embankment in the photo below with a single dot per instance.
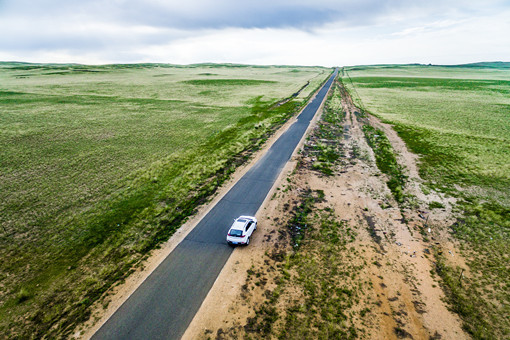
100 164
458 120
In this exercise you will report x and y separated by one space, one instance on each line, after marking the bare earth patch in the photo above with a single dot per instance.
386 263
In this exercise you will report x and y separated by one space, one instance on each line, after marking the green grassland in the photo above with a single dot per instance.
99 164
461 126
457 119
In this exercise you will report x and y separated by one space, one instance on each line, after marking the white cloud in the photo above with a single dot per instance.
303 32
442 25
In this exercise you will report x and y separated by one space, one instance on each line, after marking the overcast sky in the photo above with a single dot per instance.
298 32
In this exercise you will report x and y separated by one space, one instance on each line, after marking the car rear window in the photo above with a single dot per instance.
236 232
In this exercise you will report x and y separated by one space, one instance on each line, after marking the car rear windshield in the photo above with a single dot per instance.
236 232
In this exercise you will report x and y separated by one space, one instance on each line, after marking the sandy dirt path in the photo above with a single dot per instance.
408 298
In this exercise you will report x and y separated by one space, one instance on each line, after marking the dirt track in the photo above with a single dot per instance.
408 300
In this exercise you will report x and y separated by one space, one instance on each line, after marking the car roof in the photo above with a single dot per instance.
242 221
245 218
238 225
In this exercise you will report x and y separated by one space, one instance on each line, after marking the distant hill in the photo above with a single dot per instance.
18 65
72 66
485 64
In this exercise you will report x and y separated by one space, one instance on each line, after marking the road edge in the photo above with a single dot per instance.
286 170
121 291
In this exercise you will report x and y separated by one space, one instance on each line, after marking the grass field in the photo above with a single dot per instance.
461 124
458 120
99 164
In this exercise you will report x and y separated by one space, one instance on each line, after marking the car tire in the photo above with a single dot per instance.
247 241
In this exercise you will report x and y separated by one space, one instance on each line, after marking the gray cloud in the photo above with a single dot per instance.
202 14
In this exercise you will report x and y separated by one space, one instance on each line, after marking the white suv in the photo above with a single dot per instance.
240 232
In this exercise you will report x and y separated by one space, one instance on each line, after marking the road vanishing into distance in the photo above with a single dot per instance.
166 302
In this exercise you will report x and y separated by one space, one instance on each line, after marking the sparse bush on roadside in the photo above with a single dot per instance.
436 205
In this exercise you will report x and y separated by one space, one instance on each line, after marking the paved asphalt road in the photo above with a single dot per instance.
164 305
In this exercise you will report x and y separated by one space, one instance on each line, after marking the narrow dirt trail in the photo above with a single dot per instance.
405 300
411 293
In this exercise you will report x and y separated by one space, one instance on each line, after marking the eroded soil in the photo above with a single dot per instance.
383 260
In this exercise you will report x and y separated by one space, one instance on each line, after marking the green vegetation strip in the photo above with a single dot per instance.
386 160
323 145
